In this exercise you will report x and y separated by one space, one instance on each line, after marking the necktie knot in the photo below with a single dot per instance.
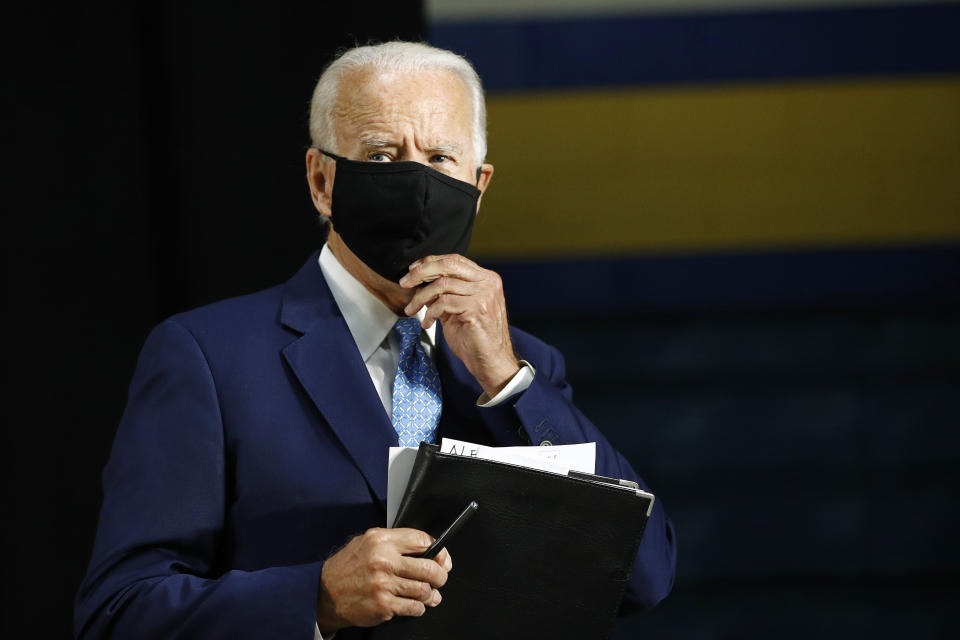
407 329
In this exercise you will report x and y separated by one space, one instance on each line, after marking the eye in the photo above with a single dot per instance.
378 156
439 158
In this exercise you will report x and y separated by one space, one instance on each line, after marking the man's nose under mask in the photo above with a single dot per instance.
391 214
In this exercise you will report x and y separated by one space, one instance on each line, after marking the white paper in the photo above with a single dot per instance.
564 457
557 459
509 455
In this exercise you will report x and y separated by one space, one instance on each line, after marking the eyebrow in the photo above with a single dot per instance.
449 147
376 142
380 143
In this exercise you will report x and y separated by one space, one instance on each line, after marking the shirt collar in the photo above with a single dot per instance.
369 320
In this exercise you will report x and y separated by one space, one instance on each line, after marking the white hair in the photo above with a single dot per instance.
393 57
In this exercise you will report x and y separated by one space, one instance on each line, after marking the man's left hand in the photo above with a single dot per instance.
468 300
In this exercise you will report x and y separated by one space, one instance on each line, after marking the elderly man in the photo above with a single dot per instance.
253 447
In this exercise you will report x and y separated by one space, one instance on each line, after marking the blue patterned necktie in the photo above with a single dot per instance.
416 388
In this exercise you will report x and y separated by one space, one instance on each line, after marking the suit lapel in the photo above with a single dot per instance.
327 364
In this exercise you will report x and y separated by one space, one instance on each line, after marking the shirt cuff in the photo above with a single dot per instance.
518 383
319 636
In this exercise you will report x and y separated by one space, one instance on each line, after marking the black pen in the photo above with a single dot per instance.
455 526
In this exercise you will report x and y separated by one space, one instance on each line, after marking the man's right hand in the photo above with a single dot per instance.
372 579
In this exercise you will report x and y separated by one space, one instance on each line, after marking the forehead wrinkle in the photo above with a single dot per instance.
360 111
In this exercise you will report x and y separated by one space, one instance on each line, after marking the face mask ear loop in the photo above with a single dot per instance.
479 172
336 157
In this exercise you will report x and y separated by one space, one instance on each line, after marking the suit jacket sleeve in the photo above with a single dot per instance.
544 412
154 571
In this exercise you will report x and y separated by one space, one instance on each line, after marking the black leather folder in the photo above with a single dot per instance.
544 556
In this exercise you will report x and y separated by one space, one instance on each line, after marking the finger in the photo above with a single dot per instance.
444 559
432 267
406 606
421 569
444 284
447 304
409 541
443 257
416 589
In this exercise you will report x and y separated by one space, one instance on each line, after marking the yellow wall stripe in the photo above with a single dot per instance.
762 166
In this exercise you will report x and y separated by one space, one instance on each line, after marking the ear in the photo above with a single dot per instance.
486 175
320 174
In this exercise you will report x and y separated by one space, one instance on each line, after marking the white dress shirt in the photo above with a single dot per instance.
371 325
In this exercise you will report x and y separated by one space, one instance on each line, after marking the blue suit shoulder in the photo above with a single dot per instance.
239 340
253 312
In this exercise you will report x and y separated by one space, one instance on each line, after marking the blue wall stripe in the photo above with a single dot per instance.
850 277
692 48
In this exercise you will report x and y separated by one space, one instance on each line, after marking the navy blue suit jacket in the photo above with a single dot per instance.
254 444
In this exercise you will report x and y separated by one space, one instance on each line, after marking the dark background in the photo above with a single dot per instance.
159 166
808 453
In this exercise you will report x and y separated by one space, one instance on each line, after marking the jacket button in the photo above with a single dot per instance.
546 443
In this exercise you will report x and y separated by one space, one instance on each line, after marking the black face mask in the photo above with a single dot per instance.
391 214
